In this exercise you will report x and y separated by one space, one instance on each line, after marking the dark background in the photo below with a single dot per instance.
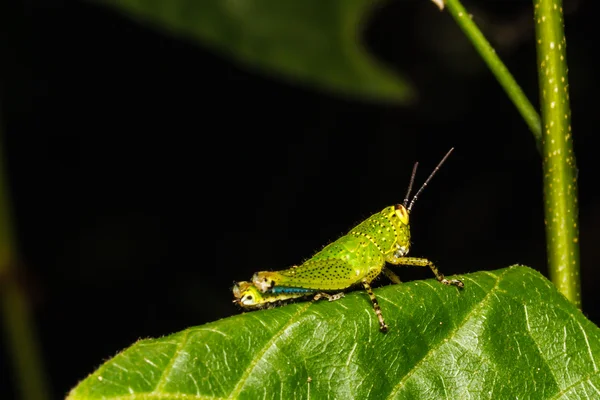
148 173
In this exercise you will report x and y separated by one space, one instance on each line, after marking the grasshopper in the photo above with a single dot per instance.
358 257
247 296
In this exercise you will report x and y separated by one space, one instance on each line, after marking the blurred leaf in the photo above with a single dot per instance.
312 41
507 334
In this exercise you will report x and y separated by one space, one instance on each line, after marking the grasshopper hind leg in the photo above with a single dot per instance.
382 325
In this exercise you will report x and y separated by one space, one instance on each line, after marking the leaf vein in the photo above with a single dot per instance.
165 374
579 382
433 350
587 344
259 354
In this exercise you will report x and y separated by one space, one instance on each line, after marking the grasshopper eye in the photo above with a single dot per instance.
248 300
402 213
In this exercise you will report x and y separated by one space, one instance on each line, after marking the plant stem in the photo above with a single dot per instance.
560 170
506 80
20 334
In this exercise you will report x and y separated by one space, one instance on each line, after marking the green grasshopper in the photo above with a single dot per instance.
358 257
247 296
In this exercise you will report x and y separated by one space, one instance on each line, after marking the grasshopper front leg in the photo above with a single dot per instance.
423 262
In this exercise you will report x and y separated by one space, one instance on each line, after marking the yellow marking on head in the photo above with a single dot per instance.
402 213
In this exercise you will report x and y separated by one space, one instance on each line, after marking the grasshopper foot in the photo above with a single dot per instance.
330 297
453 282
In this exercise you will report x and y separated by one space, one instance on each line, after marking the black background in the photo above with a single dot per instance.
148 173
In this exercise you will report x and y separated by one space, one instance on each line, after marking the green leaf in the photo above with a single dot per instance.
311 41
507 334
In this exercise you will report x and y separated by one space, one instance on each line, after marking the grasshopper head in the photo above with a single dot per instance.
263 281
246 294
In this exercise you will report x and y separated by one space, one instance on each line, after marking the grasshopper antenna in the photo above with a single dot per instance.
410 184
414 199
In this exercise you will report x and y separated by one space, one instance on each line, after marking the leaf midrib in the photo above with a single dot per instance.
434 349
293 319
163 378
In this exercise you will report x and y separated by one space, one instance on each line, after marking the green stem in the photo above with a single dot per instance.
555 142
20 334
560 170
506 80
